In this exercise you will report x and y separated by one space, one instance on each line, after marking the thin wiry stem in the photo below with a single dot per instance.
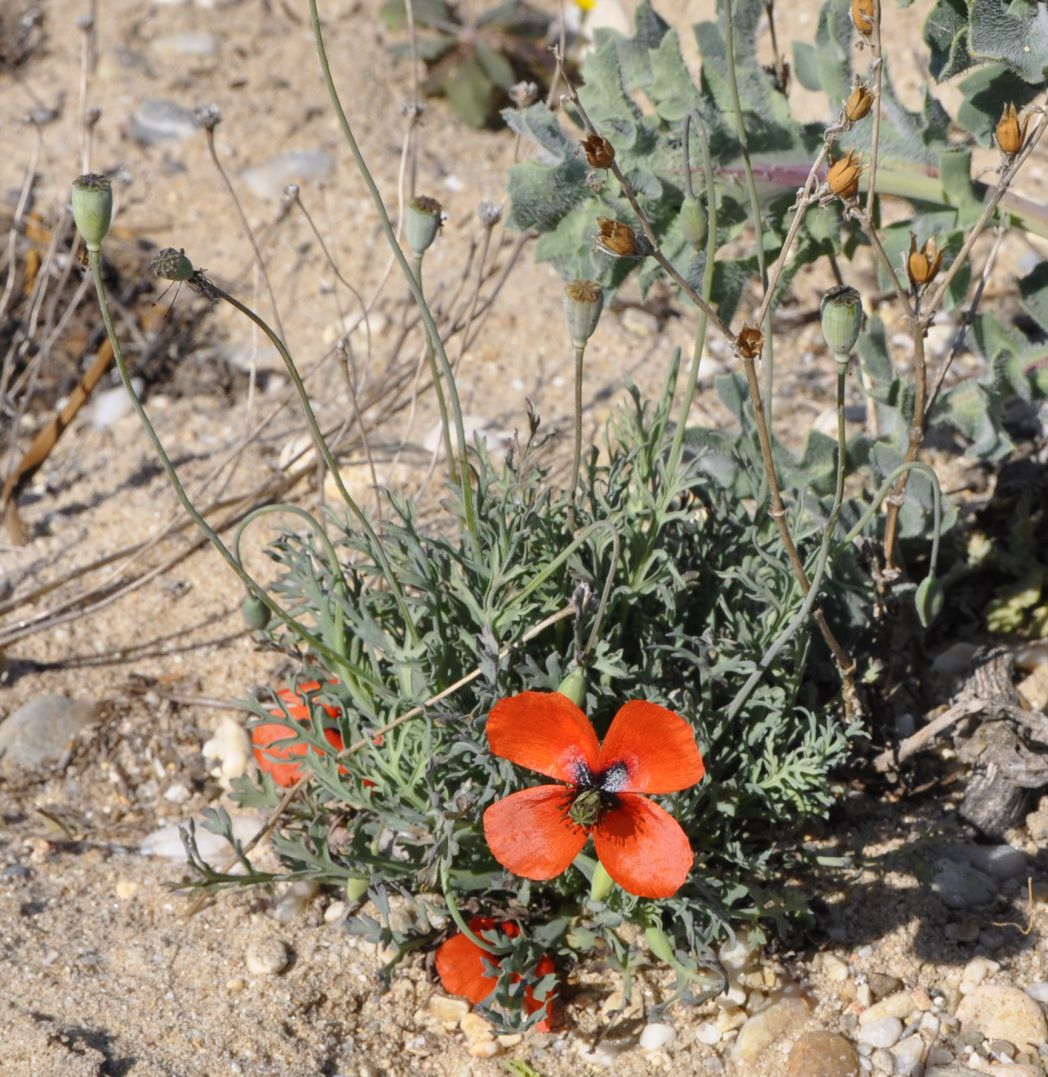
875 136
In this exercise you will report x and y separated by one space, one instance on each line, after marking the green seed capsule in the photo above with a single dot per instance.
694 223
841 311
422 223
92 208
255 613
583 303
574 686
929 600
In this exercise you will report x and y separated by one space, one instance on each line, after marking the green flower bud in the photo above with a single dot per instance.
602 884
841 311
356 889
929 600
660 945
92 208
583 303
694 223
172 264
255 613
422 223
574 686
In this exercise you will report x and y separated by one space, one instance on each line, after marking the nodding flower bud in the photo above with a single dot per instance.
255 612
1010 131
750 342
862 16
602 884
574 686
694 223
583 303
92 208
923 264
859 103
600 153
172 264
841 314
422 223
619 240
843 176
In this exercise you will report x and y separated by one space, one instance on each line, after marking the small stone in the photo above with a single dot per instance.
267 957
1015 1069
1038 992
126 889
1004 1013
864 995
509 1039
449 1011
41 731
158 120
483 1049
335 911
960 886
882 985
708 1033
731 1018
187 43
822 1054
929 1025
476 1029
899 1005
907 1054
294 901
657 1036
108 406
951 1068
882 1061
921 999
764 1028
1000 861
237 983
269 179
975 972
883 1032
229 749
835 969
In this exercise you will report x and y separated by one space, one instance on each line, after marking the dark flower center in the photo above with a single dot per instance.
594 794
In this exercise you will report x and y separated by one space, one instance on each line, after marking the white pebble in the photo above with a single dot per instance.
335 911
884 1032
230 749
708 1033
267 957
294 901
1039 993
657 1036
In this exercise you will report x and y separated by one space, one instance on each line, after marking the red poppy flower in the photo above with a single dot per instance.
538 832
460 965
272 758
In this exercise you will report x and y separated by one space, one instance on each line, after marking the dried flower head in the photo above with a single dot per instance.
750 342
208 116
862 16
843 176
1011 131
859 103
923 264
619 240
600 153
489 213
523 94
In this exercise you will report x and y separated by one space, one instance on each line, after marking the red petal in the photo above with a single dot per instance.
657 746
460 966
543 731
643 848
530 833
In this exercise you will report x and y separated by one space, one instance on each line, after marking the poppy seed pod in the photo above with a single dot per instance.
600 153
583 303
923 264
859 103
750 342
694 223
862 16
843 176
422 223
92 208
172 264
1010 131
841 315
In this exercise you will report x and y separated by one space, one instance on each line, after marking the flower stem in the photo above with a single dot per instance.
434 373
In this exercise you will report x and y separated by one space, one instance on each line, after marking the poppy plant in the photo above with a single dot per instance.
538 832
275 758
461 967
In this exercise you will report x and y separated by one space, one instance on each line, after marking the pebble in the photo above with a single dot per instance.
952 1069
167 842
335 911
883 1032
1000 861
822 1054
188 43
126 889
158 120
883 985
882 1061
975 972
764 1028
708 1033
961 886
107 406
835 969
267 957
269 179
230 749
1004 1013
40 731
1039 993
657 1036
295 900
448 1011
898 1006
907 1055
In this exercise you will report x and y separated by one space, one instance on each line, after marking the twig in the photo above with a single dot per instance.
891 758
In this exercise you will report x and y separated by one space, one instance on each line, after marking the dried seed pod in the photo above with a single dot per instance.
841 315
92 208
1010 131
600 153
923 264
843 176
422 223
750 342
619 240
171 263
583 303
859 103
862 16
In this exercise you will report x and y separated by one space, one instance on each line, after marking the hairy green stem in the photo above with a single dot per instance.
434 373
576 463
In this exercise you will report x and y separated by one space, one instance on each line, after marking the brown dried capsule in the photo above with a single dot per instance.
619 240
600 153
750 342
1011 131
843 176
923 264
859 103
862 16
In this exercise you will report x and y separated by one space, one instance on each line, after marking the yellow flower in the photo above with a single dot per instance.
585 5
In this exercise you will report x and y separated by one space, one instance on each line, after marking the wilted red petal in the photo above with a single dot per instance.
297 701
274 758
657 746
545 732
530 833
643 848
460 966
